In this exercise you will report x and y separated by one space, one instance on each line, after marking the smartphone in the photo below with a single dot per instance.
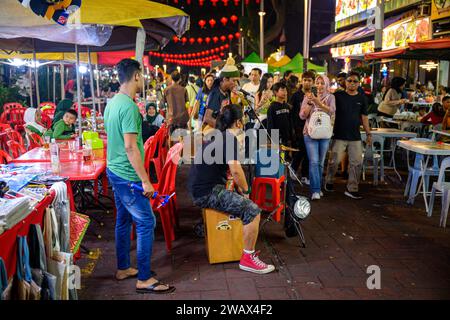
314 90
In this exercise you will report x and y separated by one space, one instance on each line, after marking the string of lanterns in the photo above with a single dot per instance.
212 22
190 55
207 40
214 2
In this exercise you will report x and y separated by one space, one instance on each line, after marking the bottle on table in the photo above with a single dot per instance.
54 157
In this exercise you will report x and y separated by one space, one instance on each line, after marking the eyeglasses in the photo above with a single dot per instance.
352 81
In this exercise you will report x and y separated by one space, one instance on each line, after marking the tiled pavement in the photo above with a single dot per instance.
343 236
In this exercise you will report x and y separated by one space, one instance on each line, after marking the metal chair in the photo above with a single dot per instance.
374 154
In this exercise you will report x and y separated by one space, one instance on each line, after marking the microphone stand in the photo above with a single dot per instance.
251 113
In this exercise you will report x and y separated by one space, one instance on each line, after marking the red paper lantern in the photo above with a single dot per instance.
223 38
237 35
214 2
257 1
207 40
227 46
200 2
200 40
246 2
198 54
230 37
175 39
191 40
189 55
236 2
202 23
222 48
234 18
207 51
222 54
215 39
184 40
225 2
212 23
224 21
216 49
188 1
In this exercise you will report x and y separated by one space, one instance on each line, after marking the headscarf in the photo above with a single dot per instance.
30 119
63 106
149 118
326 91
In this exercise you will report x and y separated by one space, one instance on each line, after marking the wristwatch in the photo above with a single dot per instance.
248 191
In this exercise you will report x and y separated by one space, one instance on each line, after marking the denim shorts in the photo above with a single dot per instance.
229 202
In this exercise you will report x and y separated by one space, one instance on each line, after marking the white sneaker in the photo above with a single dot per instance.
305 181
321 194
315 196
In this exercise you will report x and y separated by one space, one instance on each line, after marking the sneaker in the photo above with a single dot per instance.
329 187
250 262
305 181
315 196
321 194
354 195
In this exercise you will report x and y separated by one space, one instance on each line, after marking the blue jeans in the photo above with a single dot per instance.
317 151
132 206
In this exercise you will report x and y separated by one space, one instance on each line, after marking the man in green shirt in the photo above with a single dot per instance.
125 165
64 129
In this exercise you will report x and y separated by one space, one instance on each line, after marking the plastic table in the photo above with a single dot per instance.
43 155
426 148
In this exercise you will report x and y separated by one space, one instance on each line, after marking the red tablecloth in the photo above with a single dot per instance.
8 243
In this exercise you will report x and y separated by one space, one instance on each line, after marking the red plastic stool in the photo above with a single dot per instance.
259 192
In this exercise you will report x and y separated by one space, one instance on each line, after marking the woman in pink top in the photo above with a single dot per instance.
317 148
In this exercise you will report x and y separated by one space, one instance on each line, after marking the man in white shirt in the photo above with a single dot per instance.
255 79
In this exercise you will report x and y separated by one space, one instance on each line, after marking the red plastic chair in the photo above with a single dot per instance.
14 117
4 127
166 187
15 136
5 157
47 120
15 148
259 193
34 140
12 105
163 148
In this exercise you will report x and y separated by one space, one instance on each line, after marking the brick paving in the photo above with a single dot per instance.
343 237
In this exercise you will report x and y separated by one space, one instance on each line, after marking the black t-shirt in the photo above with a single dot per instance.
348 115
296 103
205 173
217 100
114 86
278 117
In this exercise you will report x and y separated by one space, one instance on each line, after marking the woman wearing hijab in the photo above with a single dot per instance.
32 118
61 109
317 148
152 121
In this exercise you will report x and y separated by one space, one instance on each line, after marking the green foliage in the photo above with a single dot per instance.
9 94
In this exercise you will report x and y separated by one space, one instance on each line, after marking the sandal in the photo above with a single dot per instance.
152 274
151 289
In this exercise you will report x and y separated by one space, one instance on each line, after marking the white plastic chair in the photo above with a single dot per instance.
415 172
374 155
444 187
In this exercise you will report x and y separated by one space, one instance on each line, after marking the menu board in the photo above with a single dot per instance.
400 34
357 49
346 8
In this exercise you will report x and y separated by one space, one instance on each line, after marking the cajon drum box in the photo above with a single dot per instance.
223 236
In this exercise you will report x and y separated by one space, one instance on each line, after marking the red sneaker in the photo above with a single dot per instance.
250 262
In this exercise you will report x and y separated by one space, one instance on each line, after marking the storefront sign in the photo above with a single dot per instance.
352 11
400 34
358 49
440 9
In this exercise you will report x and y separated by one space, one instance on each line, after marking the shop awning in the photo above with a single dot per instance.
50 56
384 54
112 58
438 49
353 34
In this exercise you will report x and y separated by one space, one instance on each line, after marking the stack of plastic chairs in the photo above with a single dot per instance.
166 186
34 140
4 157
14 117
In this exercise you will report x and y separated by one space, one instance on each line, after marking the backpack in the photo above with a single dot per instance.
319 126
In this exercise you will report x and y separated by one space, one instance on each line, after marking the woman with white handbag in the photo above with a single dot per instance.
318 110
